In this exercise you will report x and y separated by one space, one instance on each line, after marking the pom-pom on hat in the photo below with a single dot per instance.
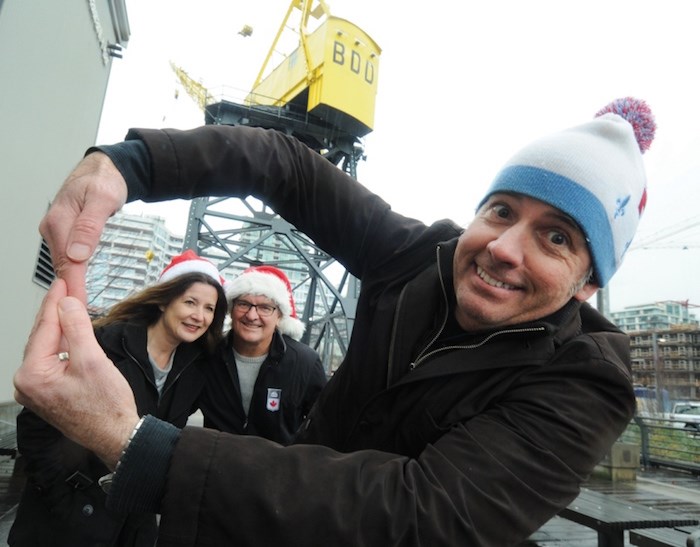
273 283
594 173
189 262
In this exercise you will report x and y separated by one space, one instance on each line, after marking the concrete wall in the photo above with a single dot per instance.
54 70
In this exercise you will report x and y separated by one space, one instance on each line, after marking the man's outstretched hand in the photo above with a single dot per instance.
93 192
82 393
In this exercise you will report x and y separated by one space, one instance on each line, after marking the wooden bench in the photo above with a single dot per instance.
610 516
666 537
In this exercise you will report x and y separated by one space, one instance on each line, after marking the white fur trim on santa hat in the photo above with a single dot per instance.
292 327
189 262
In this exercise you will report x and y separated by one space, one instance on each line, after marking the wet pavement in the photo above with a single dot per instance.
662 489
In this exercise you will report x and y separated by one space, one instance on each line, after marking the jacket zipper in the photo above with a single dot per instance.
444 319
423 356
165 388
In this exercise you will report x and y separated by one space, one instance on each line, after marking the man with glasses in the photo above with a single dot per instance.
264 381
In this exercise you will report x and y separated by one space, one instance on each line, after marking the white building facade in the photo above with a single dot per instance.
55 60
658 315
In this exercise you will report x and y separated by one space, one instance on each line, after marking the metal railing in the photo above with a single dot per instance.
665 443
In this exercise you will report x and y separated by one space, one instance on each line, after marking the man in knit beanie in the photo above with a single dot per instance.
594 174
264 381
479 388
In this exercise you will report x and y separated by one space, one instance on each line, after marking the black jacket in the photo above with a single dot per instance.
412 442
292 369
62 504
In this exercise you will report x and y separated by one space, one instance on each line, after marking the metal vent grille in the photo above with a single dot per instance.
44 273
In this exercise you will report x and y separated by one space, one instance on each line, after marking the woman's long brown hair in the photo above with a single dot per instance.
146 306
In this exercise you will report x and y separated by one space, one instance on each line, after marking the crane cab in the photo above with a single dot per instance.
332 75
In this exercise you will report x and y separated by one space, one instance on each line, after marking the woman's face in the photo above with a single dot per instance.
189 315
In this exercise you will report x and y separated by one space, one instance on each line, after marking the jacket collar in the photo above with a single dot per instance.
432 292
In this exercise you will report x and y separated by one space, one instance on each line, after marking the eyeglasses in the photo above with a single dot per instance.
264 310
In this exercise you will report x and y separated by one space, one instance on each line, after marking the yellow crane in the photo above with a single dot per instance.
332 74
322 93
196 90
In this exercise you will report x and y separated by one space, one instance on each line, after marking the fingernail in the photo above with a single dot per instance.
78 252
68 304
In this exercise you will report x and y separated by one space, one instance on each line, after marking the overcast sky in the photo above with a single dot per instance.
462 86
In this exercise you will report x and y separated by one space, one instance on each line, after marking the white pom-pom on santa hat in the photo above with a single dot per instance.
273 283
189 262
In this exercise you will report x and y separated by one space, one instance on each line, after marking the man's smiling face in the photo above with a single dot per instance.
519 260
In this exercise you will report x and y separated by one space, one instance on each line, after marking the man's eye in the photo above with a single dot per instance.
558 238
501 210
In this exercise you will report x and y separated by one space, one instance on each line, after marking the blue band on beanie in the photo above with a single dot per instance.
571 198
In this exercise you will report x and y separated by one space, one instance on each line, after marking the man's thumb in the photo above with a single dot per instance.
75 323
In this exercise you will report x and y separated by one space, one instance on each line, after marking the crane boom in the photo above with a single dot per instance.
323 94
305 7
194 89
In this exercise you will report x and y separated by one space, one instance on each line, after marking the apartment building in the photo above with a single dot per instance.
133 251
665 348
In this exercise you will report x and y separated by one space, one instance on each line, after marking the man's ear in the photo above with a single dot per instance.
585 292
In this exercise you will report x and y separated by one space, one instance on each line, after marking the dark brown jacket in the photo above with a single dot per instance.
417 439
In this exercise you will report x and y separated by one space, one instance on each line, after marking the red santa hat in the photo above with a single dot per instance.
273 283
189 262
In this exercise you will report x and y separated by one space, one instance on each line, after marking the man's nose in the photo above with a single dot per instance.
510 246
253 311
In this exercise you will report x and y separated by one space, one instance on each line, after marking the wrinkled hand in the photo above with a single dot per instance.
85 397
93 192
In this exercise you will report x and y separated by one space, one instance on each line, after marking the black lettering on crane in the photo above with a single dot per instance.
369 72
338 53
355 62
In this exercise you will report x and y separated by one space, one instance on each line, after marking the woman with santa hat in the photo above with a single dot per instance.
161 339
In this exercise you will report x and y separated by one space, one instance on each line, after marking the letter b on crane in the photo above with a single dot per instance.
355 64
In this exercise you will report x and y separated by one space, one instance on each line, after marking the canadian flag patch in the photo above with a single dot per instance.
273 399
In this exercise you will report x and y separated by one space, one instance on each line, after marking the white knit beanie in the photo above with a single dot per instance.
594 173
273 283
